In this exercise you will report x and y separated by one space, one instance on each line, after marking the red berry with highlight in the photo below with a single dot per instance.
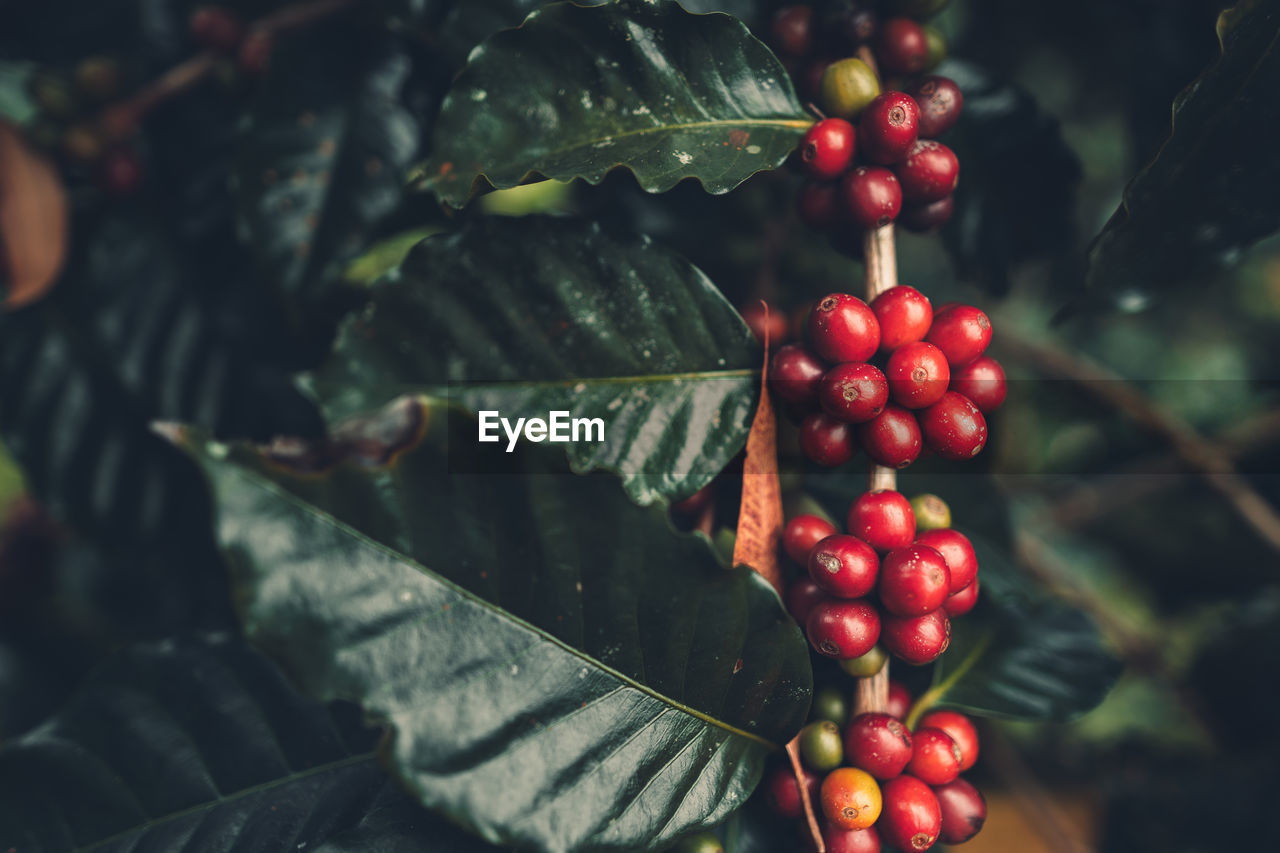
953 427
844 566
963 811
962 332
872 196
827 441
940 103
878 743
764 319
960 603
935 758
913 581
818 204
843 629
839 840
842 328
802 533
795 374
783 792
828 148
892 438
853 392
792 29
802 595
902 46
883 519
910 818
918 375
929 173
904 314
916 639
982 381
961 730
888 127
927 216
957 550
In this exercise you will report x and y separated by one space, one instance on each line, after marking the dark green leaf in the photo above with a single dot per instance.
562 669
327 144
542 314
1209 192
1018 179
202 746
576 91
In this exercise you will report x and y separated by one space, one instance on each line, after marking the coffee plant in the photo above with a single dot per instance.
561 426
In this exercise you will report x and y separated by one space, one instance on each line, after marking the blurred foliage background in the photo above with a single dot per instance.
1137 455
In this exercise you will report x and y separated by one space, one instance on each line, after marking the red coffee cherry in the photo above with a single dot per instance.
839 840
961 730
960 603
827 441
911 818
953 427
853 392
883 519
842 328
940 103
850 798
935 758
957 550
802 533
962 332
925 217
899 700
792 30
929 173
216 27
918 375
844 566
828 148
802 595
795 374
878 743
888 127
783 791
913 581
255 53
916 640
892 438
904 314
902 46
872 196
818 204
761 319
843 629
981 380
963 811
695 503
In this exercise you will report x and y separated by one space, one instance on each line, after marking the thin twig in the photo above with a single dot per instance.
811 817
1203 457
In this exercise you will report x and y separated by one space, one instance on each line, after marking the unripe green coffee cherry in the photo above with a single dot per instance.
703 842
867 665
829 704
937 43
848 85
98 77
932 512
821 746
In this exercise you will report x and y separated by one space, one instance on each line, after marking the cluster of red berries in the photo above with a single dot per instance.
891 583
932 387
882 785
873 158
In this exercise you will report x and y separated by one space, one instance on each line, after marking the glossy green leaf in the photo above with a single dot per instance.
201 745
327 144
541 314
562 670
1209 192
576 91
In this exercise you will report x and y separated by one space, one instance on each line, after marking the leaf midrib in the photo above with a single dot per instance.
267 485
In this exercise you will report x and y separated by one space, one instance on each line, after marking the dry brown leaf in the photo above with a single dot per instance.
760 515
33 220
